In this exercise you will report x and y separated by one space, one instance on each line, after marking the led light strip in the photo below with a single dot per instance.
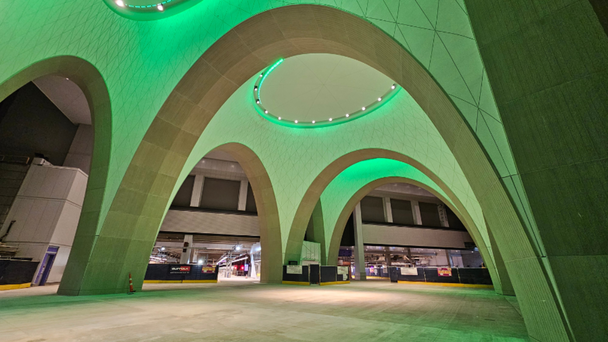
159 6
264 112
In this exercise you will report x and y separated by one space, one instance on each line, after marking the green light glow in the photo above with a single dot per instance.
257 89
266 73
149 11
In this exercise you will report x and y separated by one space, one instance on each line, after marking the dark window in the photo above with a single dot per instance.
250 206
184 194
220 194
429 214
453 220
402 212
372 209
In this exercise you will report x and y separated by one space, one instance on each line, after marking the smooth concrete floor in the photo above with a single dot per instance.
246 311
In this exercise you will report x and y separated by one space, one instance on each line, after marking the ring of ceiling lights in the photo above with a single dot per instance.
152 10
338 119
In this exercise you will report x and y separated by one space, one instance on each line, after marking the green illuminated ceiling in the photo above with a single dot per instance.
316 90
130 54
141 62
294 157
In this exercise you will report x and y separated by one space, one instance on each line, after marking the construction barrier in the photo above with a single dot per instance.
306 275
16 274
445 275
179 273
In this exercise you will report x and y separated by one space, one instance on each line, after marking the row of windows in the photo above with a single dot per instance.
219 194
372 210
223 194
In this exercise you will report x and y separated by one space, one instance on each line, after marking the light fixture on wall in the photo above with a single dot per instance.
257 95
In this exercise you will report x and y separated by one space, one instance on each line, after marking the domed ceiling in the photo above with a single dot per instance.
319 88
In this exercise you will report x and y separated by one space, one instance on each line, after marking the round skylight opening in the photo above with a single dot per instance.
316 90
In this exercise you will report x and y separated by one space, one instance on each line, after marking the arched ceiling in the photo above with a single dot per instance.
320 86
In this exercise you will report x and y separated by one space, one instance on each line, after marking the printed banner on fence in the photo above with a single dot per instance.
444 272
208 269
409 271
179 270
294 269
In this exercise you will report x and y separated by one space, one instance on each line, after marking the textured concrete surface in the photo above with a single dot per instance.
247 311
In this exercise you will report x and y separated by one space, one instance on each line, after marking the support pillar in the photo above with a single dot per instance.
387 256
416 213
449 257
388 210
316 231
197 191
188 240
359 249
243 195
443 215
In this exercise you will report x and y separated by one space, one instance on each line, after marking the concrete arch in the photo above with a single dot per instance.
92 84
137 209
337 167
266 203
331 171
338 229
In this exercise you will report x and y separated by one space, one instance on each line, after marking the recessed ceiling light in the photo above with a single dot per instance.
393 86
257 101
266 111
279 118
160 7
313 121
379 99
120 3
347 115
362 108
330 119
296 121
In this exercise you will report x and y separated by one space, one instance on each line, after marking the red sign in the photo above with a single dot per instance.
444 272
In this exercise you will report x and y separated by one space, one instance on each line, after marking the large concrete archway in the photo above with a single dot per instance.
266 203
493 259
340 224
355 172
136 212
92 84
